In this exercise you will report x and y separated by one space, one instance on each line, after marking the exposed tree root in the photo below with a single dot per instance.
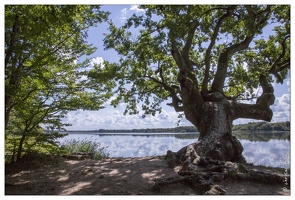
202 173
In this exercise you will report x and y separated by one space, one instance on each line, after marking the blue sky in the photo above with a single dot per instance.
113 118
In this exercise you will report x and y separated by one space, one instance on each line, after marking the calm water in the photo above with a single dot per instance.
269 149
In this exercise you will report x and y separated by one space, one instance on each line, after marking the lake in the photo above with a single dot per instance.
269 149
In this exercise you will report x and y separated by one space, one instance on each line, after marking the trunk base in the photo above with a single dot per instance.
206 161
213 147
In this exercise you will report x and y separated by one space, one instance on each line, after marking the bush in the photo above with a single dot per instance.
91 147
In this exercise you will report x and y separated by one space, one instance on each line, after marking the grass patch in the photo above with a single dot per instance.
86 146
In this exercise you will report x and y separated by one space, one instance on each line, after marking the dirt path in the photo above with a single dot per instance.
127 176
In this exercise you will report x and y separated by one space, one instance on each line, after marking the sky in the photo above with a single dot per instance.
113 118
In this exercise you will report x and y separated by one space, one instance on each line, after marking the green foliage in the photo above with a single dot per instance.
43 76
148 74
37 141
85 146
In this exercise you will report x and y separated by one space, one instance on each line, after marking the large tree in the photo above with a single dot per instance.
205 59
44 78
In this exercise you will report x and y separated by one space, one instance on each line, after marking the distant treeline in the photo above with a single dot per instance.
252 126
262 126
180 129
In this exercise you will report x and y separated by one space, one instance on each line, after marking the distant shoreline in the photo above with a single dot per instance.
161 133
250 127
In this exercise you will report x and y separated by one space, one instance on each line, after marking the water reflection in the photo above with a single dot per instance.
271 153
262 136
270 149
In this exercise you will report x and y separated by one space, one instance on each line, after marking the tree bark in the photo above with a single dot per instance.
20 148
216 140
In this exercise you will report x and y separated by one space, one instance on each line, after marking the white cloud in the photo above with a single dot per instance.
97 61
281 108
123 15
111 118
127 12
136 8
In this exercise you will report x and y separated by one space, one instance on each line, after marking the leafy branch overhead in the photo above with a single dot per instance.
227 49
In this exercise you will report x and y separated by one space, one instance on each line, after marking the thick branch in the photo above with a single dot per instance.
261 110
192 99
267 98
188 43
186 76
212 43
224 57
12 41
251 111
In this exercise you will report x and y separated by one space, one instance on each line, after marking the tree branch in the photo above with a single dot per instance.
267 98
175 99
212 43
192 100
279 66
12 40
188 43
251 111
219 79
261 110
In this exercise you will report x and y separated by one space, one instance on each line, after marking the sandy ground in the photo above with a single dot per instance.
120 176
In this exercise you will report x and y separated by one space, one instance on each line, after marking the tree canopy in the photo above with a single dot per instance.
228 49
43 76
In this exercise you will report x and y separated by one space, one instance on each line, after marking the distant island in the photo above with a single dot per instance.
251 126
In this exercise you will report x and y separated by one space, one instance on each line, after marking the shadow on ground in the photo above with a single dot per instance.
119 176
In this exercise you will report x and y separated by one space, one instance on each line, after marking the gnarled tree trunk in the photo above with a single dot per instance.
216 141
